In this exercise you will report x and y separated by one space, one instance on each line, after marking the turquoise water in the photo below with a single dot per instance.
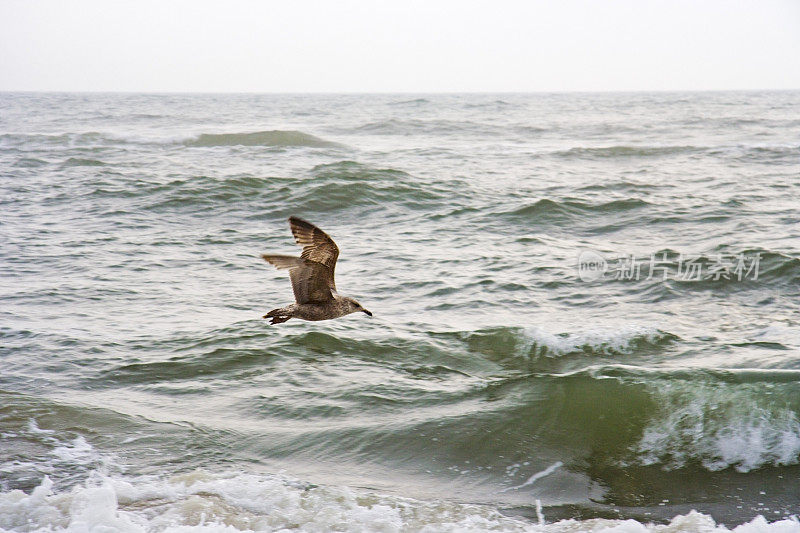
141 389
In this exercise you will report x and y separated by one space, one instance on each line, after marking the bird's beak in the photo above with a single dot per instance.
367 312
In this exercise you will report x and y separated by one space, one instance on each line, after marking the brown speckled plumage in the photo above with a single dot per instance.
312 277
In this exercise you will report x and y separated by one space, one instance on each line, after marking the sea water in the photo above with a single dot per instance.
586 312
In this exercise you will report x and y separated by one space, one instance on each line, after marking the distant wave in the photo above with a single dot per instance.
277 138
261 138
415 101
621 185
493 103
29 162
81 162
742 151
627 151
330 187
66 139
759 152
348 183
549 208
529 130
416 126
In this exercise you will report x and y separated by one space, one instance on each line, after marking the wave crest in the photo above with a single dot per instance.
720 427
538 342
344 184
551 208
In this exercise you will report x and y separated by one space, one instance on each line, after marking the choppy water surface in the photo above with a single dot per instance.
141 390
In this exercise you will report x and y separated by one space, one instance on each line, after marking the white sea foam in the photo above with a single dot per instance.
76 451
201 502
608 340
65 453
242 502
538 475
33 427
720 427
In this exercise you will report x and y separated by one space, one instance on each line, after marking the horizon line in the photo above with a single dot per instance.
355 93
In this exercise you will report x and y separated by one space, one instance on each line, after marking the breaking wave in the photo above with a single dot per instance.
234 502
538 342
722 426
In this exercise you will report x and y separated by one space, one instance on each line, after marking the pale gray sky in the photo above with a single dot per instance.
399 45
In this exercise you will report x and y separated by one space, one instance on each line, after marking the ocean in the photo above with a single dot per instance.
586 313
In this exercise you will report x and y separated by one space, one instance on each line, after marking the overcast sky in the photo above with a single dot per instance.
399 45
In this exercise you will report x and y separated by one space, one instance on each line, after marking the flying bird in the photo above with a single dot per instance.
312 277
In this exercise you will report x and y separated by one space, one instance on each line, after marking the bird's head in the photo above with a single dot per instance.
354 307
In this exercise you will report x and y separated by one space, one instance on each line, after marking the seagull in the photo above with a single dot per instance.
312 277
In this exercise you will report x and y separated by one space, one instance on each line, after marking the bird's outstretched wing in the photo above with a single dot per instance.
317 245
311 281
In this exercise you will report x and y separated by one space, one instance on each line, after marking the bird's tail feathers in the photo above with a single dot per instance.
282 261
